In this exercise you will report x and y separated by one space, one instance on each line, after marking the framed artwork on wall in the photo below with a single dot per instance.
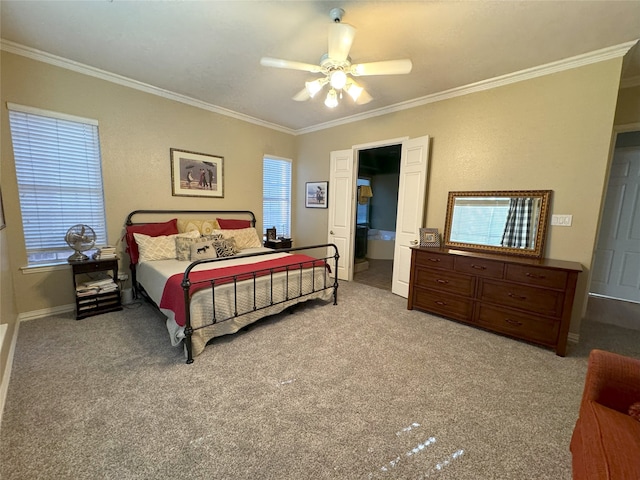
316 194
196 174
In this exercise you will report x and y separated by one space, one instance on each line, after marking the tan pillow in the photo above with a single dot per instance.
244 237
204 226
162 247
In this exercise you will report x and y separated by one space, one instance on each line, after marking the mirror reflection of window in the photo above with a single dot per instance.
480 221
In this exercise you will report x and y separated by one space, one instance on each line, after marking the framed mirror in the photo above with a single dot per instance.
506 222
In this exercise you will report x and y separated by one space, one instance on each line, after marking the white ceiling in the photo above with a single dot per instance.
210 51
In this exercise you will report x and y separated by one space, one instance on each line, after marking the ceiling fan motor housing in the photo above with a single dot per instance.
336 14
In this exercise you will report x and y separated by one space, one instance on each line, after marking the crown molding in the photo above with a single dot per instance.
522 75
589 58
61 62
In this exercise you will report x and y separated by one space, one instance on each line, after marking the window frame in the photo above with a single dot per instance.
55 145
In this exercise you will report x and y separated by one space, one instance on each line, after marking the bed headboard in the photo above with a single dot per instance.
176 213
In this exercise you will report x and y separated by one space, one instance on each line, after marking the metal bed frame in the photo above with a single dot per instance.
188 283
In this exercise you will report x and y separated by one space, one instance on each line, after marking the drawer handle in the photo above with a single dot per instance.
517 297
533 275
434 260
478 267
444 282
513 322
442 304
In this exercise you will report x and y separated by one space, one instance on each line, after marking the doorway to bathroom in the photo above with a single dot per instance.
376 212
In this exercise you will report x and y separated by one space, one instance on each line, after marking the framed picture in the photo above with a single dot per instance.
429 237
316 194
196 174
271 234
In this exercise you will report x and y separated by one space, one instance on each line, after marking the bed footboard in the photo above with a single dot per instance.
299 279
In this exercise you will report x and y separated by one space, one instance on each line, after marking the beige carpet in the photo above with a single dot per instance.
361 390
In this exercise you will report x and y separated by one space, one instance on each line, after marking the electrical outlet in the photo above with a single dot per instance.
562 220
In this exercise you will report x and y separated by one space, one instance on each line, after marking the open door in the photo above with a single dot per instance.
411 203
341 206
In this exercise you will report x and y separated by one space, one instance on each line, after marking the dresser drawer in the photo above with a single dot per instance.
521 325
443 304
479 266
542 277
538 300
433 259
449 282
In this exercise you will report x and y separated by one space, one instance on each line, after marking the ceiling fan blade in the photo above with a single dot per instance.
388 67
340 39
279 63
364 98
302 95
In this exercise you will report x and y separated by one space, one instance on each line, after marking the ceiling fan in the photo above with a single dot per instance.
336 67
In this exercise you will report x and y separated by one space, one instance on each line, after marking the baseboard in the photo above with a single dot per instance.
45 312
6 375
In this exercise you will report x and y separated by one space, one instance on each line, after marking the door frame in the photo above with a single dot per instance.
617 129
356 164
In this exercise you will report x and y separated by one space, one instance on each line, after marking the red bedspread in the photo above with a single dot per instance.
173 295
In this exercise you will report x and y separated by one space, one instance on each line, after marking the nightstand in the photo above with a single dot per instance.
100 296
278 244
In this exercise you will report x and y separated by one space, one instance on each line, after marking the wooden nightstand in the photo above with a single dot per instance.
278 244
100 300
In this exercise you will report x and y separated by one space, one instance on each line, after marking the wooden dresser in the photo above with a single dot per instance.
530 299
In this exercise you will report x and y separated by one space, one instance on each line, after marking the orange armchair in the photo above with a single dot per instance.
606 440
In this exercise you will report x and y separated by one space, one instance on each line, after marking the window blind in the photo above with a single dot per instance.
276 195
59 173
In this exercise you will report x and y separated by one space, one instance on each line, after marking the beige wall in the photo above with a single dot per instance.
551 132
548 133
628 109
136 132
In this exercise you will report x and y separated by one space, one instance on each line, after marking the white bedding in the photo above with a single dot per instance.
153 276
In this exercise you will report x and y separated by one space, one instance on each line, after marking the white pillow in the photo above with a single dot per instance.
162 247
244 237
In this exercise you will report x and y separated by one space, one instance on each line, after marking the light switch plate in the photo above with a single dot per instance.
562 220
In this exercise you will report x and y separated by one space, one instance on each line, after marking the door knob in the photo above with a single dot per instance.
330 232
414 242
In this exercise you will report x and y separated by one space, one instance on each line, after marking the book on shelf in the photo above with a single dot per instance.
105 252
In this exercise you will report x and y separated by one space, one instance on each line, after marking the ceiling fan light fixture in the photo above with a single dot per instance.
315 86
338 79
332 99
354 91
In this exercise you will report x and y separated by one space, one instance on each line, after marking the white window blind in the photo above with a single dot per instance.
59 174
276 195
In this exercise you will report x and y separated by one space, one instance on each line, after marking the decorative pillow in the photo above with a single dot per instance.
225 248
205 227
233 224
150 229
162 247
183 245
634 410
244 237
203 250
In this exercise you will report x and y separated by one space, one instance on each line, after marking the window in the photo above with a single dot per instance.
276 195
362 214
59 174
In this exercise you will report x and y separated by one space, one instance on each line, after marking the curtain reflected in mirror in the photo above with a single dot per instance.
505 222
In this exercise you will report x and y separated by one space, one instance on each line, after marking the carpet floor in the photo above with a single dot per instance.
362 390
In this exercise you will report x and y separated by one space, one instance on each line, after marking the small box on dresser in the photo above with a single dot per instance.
529 299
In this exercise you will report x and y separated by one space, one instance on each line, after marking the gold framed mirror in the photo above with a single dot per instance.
505 222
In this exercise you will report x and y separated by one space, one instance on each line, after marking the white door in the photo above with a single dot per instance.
341 204
616 266
411 198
